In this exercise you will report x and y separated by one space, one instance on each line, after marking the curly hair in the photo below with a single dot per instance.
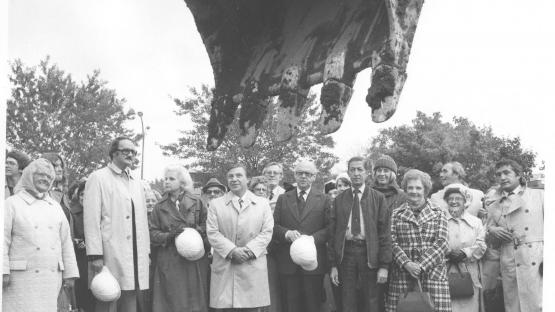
415 174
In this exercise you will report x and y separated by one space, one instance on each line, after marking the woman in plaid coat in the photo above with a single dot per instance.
419 236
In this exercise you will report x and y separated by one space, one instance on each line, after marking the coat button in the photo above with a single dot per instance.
526 228
36 271
126 217
38 248
518 264
533 263
36 227
128 236
516 247
527 211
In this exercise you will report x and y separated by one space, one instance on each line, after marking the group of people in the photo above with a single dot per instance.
375 240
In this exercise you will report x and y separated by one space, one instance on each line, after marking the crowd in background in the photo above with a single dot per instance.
374 240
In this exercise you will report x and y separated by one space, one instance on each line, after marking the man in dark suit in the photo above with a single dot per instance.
302 211
360 241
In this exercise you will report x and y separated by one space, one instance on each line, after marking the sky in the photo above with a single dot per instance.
489 61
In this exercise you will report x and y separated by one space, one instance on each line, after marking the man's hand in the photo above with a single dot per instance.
482 213
414 269
79 243
5 280
97 265
68 283
501 234
239 255
292 235
382 276
334 276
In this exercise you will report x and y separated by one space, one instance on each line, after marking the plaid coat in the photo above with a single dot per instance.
423 240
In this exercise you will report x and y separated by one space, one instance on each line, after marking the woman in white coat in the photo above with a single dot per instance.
38 250
466 245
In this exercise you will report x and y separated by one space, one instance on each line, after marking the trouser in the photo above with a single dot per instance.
258 309
302 293
359 282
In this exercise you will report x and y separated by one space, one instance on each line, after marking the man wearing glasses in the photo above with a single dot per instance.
273 173
302 211
213 189
116 227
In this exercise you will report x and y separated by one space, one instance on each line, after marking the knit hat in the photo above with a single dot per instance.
213 182
386 162
23 160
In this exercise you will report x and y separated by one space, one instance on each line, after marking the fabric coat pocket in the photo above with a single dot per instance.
18 265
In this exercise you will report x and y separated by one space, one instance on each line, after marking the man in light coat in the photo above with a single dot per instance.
116 227
239 228
516 223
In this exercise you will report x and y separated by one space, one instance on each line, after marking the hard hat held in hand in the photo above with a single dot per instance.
105 287
189 244
303 253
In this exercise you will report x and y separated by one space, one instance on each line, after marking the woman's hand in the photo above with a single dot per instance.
413 268
334 276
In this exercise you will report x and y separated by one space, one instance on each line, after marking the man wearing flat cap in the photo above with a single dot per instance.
16 161
213 189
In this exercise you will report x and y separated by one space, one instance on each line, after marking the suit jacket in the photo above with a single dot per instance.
376 226
313 221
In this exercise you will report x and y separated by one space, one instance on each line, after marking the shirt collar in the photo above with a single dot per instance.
118 171
517 190
361 189
464 217
306 192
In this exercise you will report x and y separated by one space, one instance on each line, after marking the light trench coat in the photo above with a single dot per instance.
107 218
38 253
468 234
228 226
522 214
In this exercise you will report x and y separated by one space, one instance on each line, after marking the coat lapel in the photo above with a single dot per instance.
407 215
365 208
310 203
347 202
292 204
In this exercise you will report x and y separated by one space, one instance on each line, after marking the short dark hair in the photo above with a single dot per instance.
357 158
237 165
115 145
517 168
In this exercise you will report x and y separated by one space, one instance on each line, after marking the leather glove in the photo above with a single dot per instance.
174 232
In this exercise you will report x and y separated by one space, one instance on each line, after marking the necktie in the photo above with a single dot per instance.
240 204
302 202
355 220
271 195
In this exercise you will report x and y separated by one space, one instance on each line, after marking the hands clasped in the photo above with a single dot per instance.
241 254
413 268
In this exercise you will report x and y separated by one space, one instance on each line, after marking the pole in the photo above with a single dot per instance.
143 147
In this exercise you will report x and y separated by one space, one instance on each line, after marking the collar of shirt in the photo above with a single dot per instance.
361 189
517 190
29 199
118 171
236 199
306 192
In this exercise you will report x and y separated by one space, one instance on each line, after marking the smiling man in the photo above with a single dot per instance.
360 241
239 228
516 223
116 227
16 161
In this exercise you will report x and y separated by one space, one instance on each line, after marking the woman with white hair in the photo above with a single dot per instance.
466 245
38 251
179 284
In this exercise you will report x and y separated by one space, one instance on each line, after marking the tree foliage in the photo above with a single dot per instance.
48 111
429 143
308 141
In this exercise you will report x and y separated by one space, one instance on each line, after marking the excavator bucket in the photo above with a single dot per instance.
264 48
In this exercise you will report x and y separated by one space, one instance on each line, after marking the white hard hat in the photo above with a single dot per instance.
189 244
303 253
105 287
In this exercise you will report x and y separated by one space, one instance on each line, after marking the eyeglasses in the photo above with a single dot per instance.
272 172
127 151
260 189
304 173
213 192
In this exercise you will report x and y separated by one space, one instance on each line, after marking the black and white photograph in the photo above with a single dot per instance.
277 155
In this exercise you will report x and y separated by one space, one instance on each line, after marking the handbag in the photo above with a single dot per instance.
415 301
460 283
